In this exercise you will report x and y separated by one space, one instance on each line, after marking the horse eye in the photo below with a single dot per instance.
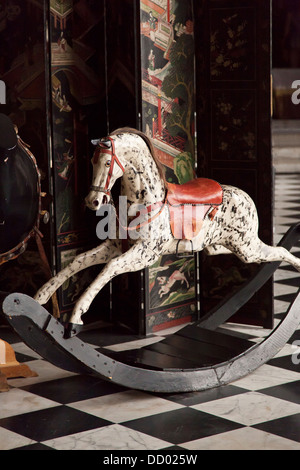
107 163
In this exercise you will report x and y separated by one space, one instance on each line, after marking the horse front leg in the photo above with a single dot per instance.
98 255
137 257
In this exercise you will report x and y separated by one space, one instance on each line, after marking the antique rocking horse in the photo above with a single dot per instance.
199 215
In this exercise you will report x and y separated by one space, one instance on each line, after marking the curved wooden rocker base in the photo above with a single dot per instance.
199 356
45 335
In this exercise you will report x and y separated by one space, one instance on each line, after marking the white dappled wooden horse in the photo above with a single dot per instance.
167 219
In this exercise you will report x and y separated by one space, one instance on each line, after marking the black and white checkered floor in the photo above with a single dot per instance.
64 411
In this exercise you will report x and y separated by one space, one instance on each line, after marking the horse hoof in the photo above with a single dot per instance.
71 330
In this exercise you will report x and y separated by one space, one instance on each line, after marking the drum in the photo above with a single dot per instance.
20 192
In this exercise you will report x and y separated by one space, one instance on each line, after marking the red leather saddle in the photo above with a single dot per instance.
189 203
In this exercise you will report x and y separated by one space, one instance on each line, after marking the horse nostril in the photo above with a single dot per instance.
95 203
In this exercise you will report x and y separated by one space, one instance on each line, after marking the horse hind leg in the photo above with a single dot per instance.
255 251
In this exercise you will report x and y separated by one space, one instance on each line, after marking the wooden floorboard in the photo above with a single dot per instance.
227 341
152 359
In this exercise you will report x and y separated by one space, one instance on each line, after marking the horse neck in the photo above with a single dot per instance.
141 181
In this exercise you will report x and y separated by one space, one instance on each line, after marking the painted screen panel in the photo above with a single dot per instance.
168 93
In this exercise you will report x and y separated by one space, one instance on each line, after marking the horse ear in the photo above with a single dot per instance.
103 143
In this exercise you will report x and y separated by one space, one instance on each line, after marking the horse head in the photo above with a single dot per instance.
107 168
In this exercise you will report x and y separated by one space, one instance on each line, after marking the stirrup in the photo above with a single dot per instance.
187 254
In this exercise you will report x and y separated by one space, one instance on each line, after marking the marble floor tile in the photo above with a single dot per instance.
125 406
280 306
182 425
45 372
18 401
287 427
266 375
21 348
73 388
249 408
282 289
113 437
51 423
10 440
289 350
242 439
288 391
284 274
194 398
282 206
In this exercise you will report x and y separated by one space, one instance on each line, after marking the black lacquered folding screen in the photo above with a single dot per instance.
192 75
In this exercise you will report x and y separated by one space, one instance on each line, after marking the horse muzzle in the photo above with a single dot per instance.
95 200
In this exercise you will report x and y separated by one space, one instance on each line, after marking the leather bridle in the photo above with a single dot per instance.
102 148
